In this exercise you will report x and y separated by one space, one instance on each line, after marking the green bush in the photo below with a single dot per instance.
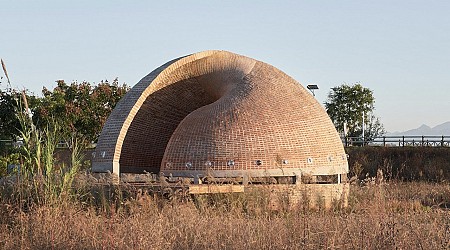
7 160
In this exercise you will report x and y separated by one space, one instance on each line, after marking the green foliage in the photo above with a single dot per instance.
80 108
39 180
5 161
9 108
347 104
8 120
73 113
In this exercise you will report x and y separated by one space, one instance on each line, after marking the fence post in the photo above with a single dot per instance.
423 139
442 141
403 141
384 141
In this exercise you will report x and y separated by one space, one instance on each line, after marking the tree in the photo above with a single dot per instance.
10 105
349 106
79 108
8 120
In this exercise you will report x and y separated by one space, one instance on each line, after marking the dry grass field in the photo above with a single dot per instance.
392 215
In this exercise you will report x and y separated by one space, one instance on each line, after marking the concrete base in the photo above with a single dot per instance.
287 196
316 196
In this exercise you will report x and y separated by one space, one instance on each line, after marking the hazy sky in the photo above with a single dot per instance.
399 49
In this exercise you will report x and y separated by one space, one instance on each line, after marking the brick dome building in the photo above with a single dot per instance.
220 114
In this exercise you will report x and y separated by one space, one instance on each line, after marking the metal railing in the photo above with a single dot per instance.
385 141
400 141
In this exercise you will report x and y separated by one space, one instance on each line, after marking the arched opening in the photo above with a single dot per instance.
150 131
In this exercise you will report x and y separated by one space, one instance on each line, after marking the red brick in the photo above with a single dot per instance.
216 106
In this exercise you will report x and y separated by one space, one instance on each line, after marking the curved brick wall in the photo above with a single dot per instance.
221 114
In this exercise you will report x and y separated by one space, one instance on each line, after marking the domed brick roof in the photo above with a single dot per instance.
221 114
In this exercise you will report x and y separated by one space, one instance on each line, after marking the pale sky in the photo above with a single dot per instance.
399 49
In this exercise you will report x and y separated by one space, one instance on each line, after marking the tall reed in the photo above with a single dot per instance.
39 181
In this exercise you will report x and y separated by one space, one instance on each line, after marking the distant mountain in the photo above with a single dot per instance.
442 129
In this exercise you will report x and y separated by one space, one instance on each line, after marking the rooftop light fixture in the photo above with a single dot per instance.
312 87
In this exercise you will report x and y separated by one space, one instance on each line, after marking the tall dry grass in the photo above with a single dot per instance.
404 163
388 216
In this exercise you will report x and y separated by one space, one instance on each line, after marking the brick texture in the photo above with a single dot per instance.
216 111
